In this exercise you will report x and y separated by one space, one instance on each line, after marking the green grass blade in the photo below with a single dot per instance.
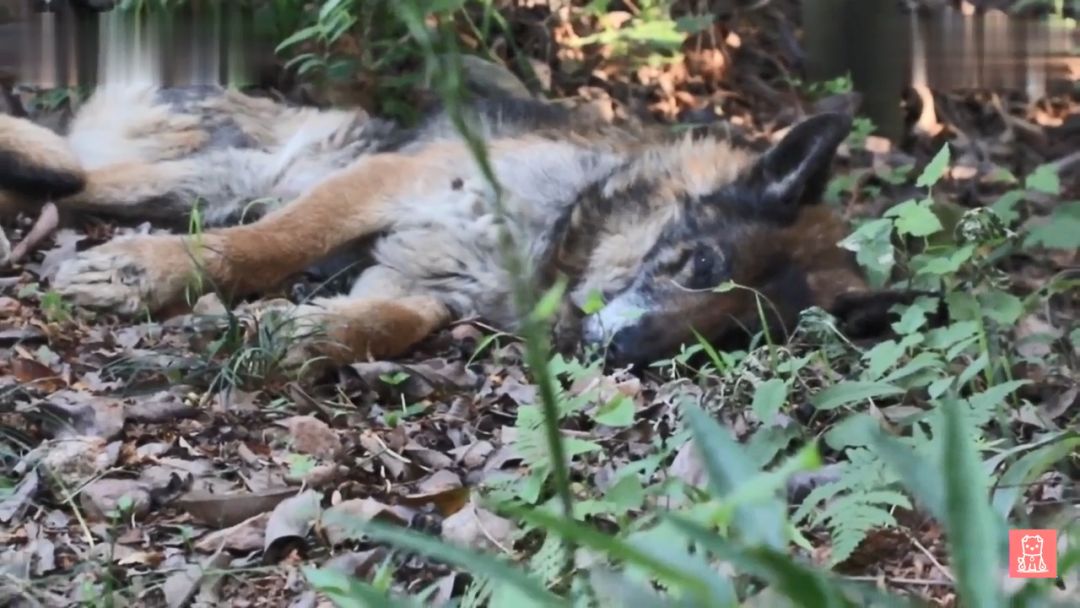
448 553
1029 467
349 592
730 467
805 586
972 525
679 575
852 392
919 476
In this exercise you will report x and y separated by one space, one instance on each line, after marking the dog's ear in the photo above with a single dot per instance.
795 170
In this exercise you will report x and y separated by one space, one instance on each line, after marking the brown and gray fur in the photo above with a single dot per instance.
650 223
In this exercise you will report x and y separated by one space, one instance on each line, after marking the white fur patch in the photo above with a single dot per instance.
621 312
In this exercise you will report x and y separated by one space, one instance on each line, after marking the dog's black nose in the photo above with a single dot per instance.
624 349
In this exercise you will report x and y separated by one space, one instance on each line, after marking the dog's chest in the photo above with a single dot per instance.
447 240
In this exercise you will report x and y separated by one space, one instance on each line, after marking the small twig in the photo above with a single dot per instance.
933 559
44 226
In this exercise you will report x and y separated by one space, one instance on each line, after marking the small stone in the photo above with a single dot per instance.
311 436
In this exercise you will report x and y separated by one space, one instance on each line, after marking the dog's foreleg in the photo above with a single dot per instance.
156 272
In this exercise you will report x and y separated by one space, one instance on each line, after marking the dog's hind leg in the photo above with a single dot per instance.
220 183
157 272
35 162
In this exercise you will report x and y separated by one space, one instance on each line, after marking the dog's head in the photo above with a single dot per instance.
762 233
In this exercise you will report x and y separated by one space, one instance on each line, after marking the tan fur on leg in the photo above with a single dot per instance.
132 189
36 162
343 330
156 270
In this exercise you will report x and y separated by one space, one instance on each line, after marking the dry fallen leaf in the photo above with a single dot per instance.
184 583
1034 335
244 537
290 522
79 413
311 436
475 454
356 563
375 447
34 373
224 510
477 528
73 461
15 503
336 521
107 499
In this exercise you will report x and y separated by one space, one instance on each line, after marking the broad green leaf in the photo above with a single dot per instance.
688 579
1005 206
509 595
443 551
919 363
1044 179
329 7
995 396
916 218
935 168
941 264
767 441
1029 467
881 358
853 431
938 387
913 318
350 592
851 392
298 36
971 523
729 468
617 412
769 397
626 494
805 586
963 306
942 338
763 487
920 477
973 369
1060 231
1002 307
549 301
872 244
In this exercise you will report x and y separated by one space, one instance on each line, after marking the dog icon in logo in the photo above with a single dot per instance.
1031 555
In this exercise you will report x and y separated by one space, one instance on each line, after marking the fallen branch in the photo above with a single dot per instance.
45 225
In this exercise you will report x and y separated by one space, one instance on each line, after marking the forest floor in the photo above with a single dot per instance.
160 462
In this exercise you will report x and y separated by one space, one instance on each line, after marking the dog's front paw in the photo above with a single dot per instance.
128 276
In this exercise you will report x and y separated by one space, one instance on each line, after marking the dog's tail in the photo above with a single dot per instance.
36 163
